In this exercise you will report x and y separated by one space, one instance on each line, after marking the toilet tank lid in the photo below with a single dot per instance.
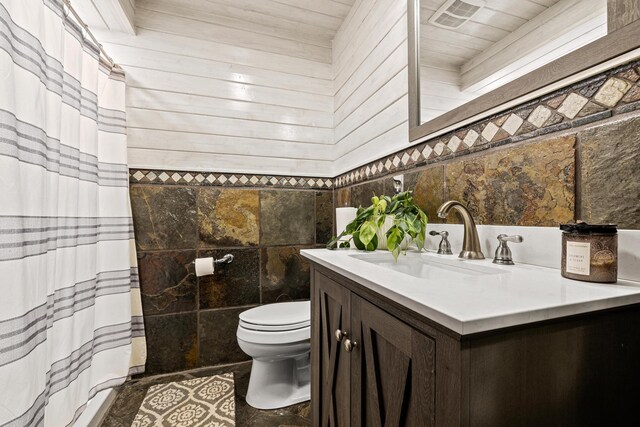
282 313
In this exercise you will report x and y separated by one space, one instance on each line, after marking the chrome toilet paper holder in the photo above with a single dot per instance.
224 260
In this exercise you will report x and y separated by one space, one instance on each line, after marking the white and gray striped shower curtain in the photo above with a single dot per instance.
70 312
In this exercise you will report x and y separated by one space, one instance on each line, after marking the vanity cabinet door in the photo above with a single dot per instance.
393 370
331 375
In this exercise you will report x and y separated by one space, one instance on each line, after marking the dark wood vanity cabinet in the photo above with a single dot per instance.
392 370
376 363
368 367
331 364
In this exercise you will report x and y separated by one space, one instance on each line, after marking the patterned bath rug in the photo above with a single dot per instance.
207 401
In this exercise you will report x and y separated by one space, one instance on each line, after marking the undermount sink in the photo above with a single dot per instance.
430 267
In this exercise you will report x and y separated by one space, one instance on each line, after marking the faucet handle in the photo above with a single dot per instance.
444 248
515 238
503 252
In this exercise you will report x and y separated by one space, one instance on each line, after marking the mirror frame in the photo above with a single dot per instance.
534 84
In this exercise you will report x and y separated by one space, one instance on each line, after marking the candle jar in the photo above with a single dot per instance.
590 252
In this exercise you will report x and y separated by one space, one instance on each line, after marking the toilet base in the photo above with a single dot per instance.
278 383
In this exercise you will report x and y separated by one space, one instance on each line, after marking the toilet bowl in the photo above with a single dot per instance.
277 337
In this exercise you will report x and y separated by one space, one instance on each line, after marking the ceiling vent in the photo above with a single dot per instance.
454 13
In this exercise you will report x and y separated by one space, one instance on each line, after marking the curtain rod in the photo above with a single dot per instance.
67 3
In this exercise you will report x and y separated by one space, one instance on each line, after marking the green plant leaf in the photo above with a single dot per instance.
368 231
405 195
351 227
371 246
357 242
395 236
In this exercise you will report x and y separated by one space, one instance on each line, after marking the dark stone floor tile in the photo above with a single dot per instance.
284 274
234 284
228 217
167 281
218 341
287 217
172 343
131 394
324 216
164 217
277 418
113 421
240 370
125 407
146 382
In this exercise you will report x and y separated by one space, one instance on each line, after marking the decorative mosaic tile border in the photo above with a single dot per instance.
613 92
161 177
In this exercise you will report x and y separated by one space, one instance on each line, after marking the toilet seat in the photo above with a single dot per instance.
279 337
279 323
278 314
274 328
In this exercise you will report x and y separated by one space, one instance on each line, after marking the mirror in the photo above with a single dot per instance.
470 56
470 47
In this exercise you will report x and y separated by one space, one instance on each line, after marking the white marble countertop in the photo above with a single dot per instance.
474 296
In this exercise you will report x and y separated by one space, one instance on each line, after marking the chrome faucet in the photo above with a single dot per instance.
471 243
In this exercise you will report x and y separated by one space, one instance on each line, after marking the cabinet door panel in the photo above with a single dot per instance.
330 363
393 368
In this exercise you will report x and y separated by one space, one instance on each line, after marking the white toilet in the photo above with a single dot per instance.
277 337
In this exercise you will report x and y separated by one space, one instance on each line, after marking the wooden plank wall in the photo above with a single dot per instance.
222 85
225 86
370 83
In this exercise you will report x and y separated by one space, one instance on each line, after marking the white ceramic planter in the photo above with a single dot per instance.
382 235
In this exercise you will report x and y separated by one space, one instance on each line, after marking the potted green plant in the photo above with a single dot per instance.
395 218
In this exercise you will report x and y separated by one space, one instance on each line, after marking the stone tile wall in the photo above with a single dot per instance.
590 174
571 155
190 321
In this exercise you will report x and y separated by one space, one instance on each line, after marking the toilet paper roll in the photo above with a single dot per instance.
204 266
343 217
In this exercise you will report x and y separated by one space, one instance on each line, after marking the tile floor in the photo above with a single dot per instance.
131 393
